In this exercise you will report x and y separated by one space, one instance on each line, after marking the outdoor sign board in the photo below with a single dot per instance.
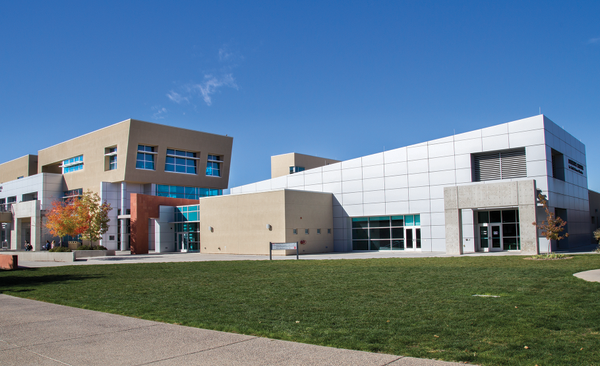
282 246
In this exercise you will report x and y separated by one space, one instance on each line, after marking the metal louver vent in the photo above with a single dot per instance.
499 165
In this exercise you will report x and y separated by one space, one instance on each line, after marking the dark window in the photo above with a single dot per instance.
558 165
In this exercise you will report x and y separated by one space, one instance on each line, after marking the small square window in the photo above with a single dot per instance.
295 231
306 231
328 231
318 231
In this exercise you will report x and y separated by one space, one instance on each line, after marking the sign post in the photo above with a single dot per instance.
282 246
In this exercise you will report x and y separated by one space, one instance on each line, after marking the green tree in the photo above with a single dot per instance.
553 226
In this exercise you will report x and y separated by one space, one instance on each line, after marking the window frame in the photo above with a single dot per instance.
186 156
211 160
153 153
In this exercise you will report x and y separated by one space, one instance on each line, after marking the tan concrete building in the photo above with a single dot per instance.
247 223
291 163
124 158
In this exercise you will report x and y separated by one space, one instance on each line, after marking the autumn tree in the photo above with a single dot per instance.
63 218
553 226
85 215
94 212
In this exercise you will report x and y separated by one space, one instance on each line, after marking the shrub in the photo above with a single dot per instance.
60 249
91 247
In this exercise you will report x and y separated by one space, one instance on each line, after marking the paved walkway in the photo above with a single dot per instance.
591 276
39 333
126 257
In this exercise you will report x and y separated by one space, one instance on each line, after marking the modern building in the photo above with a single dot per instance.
474 191
116 161
471 192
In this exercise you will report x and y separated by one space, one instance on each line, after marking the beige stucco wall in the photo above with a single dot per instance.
280 164
126 136
92 147
20 167
240 222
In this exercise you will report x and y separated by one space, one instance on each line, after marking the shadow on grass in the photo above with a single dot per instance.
15 283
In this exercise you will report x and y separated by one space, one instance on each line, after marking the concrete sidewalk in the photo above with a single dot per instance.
590 276
39 333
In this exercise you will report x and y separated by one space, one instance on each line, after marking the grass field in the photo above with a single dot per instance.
421 307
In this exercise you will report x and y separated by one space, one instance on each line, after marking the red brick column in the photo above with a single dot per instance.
143 208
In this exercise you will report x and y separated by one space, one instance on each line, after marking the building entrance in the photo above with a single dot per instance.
498 230
490 238
413 238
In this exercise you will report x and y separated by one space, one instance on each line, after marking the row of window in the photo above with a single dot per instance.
307 231
177 161
192 193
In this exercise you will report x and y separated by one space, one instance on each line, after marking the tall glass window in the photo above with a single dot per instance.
181 161
110 154
73 164
213 165
192 193
145 157
187 228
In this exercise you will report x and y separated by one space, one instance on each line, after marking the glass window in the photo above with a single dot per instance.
295 231
318 231
495 216
296 169
382 232
145 157
192 193
397 220
213 166
483 217
179 161
360 222
379 221
509 216
328 231
360 245
73 164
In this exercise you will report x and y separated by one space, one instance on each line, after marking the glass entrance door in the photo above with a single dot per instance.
413 238
490 238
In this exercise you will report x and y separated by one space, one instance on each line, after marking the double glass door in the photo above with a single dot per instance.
490 237
413 238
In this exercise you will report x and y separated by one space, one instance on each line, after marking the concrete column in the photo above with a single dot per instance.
123 212
452 215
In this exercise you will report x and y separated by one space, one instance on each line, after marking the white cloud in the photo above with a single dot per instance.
224 54
176 97
212 83
159 112
594 40
213 80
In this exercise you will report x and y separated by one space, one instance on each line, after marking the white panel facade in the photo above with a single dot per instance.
411 180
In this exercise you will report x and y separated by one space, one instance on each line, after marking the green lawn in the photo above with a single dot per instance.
415 307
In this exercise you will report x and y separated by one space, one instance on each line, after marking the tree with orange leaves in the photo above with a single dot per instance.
84 215
553 226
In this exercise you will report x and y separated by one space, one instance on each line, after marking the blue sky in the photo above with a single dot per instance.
327 78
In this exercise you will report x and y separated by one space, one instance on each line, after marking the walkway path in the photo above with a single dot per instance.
38 333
